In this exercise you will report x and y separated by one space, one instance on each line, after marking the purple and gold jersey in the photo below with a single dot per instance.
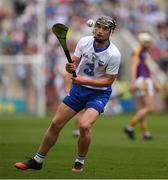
142 69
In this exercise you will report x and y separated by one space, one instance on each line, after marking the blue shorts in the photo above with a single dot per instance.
81 97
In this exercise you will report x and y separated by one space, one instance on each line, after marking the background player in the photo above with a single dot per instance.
142 86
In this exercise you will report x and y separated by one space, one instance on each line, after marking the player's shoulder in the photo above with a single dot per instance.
86 39
136 51
113 50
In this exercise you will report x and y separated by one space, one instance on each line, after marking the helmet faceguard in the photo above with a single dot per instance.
107 21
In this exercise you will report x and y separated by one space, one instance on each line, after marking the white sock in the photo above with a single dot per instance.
147 134
130 128
39 158
76 132
80 159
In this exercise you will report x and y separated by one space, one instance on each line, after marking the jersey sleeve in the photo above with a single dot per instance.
113 65
78 49
135 55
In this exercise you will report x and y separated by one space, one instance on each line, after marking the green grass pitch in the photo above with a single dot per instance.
111 155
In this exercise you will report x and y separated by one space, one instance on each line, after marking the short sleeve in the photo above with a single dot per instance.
113 65
135 55
78 49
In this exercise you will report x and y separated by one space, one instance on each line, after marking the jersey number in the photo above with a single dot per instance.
90 70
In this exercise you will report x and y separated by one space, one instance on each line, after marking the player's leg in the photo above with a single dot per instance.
94 105
76 131
146 105
139 106
88 118
147 100
129 129
149 104
63 115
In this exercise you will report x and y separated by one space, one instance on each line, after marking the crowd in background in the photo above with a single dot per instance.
19 30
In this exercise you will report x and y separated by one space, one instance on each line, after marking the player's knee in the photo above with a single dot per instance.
151 109
84 127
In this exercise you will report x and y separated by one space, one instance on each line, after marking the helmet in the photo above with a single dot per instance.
144 37
107 21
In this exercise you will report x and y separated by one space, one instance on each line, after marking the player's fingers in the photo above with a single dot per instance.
73 78
69 70
70 65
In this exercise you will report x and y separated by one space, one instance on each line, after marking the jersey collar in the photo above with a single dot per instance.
100 49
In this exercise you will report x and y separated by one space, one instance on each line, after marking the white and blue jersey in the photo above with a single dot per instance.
94 63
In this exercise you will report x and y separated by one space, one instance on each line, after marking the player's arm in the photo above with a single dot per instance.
133 68
157 86
70 67
102 81
134 64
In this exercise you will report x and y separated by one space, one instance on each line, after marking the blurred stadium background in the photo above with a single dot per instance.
32 84
32 62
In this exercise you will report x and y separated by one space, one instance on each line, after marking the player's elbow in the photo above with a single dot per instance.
110 80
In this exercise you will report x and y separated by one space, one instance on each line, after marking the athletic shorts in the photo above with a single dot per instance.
144 86
81 97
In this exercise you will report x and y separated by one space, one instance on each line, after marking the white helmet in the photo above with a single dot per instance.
144 37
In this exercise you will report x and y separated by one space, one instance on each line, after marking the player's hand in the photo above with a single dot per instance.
70 67
133 87
78 80
157 87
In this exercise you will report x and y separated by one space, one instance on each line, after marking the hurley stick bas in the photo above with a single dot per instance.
60 31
